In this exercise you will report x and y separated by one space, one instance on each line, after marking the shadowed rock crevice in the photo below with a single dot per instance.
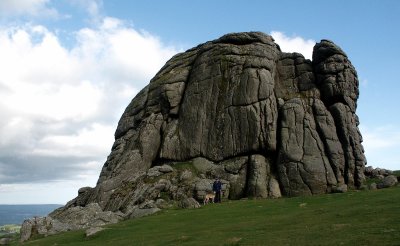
267 123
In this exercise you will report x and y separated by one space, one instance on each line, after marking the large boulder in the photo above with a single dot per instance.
266 122
387 182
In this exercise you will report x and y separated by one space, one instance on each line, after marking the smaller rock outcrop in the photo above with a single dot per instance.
371 172
189 203
387 182
72 218
384 178
42 226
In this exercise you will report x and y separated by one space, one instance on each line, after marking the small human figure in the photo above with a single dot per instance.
217 187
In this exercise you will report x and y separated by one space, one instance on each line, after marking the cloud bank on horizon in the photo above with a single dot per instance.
60 105
61 102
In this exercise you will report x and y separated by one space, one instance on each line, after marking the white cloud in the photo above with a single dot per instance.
37 8
380 143
60 106
294 44
90 141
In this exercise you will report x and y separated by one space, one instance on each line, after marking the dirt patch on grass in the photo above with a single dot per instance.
233 241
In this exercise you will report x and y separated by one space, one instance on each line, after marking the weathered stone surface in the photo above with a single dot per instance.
303 164
186 176
202 187
43 226
159 170
141 212
189 203
93 230
69 218
387 182
371 172
350 138
340 188
161 203
274 190
258 183
83 217
153 172
165 169
267 123
336 77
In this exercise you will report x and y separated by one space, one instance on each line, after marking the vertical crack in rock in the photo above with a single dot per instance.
338 83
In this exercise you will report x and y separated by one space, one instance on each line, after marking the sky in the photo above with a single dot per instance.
68 69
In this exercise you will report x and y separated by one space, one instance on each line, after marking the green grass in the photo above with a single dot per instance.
353 218
369 181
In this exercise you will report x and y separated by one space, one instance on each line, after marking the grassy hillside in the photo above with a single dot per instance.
353 218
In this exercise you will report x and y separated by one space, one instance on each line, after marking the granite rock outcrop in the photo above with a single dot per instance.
266 122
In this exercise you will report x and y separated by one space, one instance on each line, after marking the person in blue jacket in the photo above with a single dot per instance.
217 187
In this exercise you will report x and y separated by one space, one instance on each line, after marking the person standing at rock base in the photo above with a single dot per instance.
217 186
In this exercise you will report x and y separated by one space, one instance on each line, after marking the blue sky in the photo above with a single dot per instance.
69 69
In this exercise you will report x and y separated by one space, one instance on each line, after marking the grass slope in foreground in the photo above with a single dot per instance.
353 218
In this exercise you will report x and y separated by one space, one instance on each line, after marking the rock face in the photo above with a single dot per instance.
267 123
